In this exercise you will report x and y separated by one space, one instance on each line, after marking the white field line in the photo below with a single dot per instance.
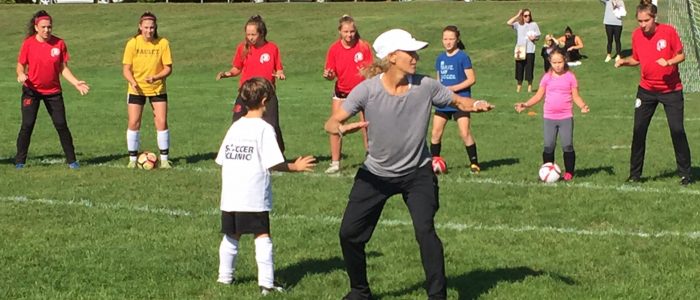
384 222
625 188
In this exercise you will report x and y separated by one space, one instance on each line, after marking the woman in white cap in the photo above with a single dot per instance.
397 104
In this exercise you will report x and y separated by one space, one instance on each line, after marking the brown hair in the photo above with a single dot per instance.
30 25
454 29
521 20
254 90
648 7
561 52
148 16
260 28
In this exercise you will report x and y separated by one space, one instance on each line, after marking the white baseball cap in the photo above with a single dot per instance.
396 39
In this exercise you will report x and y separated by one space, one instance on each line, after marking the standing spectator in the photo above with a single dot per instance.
527 33
454 70
658 50
397 103
257 57
41 59
345 59
613 26
146 64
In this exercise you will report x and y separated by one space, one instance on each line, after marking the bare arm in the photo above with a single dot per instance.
514 18
21 73
578 44
335 124
579 101
301 164
676 59
627 61
129 76
80 85
471 80
167 69
233 72
469 104
536 98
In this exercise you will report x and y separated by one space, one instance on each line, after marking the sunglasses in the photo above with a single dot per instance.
526 15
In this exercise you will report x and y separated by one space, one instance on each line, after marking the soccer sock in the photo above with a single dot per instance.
570 161
164 143
471 151
132 143
228 250
547 157
263 256
435 149
335 163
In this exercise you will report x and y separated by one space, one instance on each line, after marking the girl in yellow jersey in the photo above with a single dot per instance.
147 62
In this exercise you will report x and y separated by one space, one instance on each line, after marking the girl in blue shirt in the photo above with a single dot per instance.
454 70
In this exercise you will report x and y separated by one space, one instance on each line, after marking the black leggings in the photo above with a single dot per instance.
524 69
30 109
614 31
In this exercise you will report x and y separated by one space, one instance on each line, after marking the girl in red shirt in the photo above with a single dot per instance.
41 59
257 57
346 57
658 50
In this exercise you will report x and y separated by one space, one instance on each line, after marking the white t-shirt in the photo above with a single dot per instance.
247 153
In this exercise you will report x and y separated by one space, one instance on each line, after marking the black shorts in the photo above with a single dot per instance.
141 100
449 115
234 222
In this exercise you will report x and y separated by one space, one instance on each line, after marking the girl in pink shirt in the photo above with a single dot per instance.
559 89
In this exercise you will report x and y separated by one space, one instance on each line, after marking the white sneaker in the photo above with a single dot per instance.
608 58
618 58
334 168
225 280
268 290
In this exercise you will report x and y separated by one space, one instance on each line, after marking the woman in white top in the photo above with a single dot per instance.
527 34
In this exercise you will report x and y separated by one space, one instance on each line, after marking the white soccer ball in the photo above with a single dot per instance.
45 2
550 172
147 160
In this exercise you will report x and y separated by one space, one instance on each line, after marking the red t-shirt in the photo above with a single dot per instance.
45 60
259 62
664 43
347 62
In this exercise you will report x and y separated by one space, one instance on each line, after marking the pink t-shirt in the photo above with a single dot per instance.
557 95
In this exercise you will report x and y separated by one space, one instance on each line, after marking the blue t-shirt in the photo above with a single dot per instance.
451 70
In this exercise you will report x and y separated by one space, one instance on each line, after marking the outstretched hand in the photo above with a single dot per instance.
352 127
304 164
520 106
82 87
585 109
482 106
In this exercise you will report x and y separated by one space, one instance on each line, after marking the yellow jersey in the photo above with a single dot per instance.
147 59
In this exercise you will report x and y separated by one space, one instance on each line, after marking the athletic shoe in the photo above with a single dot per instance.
568 176
474 169
165 164
268 290
225 281
131 165
634 179
19 166
618 58
74 165
686 180
334 168
608 58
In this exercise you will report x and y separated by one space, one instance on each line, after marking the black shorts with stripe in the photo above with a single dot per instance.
141 100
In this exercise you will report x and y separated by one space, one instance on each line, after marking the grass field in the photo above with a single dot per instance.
107 232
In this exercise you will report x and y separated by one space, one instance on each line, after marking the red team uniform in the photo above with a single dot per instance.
346 63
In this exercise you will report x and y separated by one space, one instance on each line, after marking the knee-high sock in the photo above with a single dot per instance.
228 250
263 256
164 143
132 143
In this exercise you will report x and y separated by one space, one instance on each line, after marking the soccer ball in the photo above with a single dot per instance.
550 172
439 165
147 160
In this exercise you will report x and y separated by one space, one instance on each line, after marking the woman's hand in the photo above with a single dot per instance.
82 87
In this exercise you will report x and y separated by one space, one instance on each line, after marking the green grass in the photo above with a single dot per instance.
107 232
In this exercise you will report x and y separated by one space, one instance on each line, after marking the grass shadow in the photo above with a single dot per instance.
591 171
473 284
104 159
291 275
498 163
195 158
694 173
325 158
625 53
7 161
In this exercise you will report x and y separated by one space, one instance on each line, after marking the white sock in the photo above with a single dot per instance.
228 250
335 163
163 143
263 256
132 142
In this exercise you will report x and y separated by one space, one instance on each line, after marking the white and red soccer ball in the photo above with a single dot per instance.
550 172
439 165
147 160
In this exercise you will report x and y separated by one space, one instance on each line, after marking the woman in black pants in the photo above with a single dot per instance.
613 25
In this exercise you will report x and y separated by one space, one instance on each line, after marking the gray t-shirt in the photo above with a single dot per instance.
398 125
609 18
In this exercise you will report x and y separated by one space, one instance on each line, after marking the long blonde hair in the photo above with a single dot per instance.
377 67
